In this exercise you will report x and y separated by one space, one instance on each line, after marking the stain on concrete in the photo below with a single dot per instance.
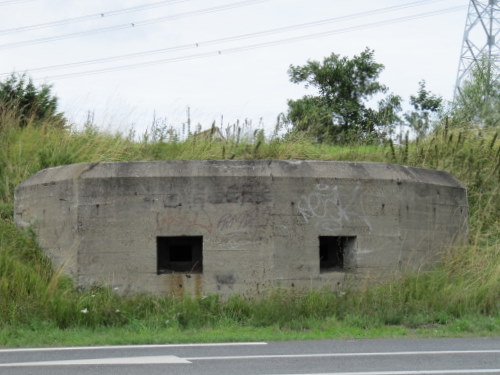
226 279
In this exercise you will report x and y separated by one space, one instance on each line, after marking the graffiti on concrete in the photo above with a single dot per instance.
239 231
242 221
251 191
202 222
236 222
329 209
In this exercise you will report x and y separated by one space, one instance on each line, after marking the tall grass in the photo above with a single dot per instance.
466 283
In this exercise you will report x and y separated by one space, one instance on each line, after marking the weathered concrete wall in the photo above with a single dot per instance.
260 221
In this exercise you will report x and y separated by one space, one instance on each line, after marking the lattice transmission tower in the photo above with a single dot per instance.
481 40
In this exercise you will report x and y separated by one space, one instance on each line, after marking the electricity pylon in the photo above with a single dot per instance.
481 40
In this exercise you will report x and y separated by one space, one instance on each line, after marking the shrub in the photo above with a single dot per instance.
32 104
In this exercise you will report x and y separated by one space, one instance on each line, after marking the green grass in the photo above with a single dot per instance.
49 335
460 297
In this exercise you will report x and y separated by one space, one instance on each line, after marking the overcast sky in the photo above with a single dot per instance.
204 65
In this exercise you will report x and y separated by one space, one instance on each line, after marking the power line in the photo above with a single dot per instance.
256 45
88 17
232 38
13 2
132 24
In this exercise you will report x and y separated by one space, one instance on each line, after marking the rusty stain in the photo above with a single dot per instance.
197 284
175 284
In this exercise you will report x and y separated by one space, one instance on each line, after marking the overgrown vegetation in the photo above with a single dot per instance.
465 285
461 295
478 101
31 104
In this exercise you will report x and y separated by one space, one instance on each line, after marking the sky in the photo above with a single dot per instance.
225 60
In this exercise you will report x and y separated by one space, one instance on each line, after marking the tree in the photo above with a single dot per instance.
32 104
339 112
425 106
478 101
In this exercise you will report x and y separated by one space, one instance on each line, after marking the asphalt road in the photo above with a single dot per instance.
351 357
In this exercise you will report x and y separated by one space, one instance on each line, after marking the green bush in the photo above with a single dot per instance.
31 104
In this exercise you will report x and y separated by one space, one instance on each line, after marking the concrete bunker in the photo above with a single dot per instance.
198 227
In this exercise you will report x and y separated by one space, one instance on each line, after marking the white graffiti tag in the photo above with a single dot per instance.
329 210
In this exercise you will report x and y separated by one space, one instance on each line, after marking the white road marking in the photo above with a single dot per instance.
171 359
368 354
158 346
149 360
420 372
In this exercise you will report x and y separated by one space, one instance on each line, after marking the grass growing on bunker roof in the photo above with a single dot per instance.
40 306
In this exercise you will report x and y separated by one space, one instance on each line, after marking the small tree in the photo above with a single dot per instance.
32 104
478 100
339 113
425 107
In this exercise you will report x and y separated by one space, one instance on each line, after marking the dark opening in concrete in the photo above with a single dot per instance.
334 252
179 254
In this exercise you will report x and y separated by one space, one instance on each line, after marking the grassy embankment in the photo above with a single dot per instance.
461 296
